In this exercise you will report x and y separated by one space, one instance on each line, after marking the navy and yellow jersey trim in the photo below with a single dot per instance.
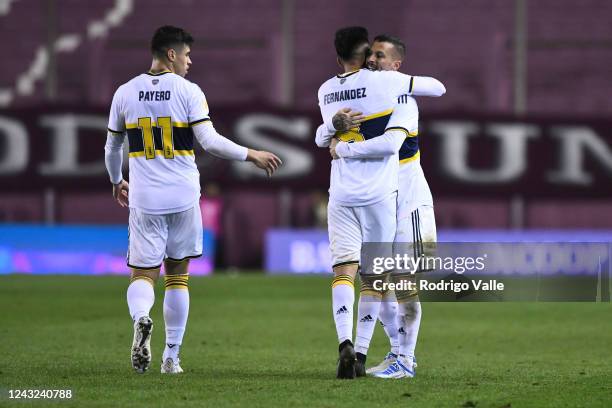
154 124
199 121
158 73
347 74
159 152
182 140
117 132
387 112
409 151
411 158
411 85
373 125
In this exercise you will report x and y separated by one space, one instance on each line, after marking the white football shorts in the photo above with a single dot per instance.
348 227
416 237
416 226
155 237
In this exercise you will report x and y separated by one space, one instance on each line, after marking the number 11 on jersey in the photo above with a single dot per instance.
165 124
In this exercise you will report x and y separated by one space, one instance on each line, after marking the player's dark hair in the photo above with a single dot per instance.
348 40
397 43
169 37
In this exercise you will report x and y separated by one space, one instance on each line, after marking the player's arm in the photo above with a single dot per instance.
343 120
113 158
385 145
113 150
218 145
324 135
221 146
399 84
426 86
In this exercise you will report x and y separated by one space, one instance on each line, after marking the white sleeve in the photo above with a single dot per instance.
197 106
116 118
324 136
387 144
399 84
113 155
427 86
218 145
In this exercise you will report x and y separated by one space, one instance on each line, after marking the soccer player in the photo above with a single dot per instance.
162 113
415 222
363 192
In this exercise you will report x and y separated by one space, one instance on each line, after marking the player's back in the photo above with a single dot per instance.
156 111
374 93
364 90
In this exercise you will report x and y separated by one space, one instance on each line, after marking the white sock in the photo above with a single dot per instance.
388 317
140 298
410 321
176 311
367 315
343 300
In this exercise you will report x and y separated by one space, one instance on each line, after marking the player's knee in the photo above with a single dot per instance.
412 309
346 268
405 289
374 285
176 274
172 267
150 275
343 280
389 297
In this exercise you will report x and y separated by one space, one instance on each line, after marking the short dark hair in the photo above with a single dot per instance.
169 37
347 41
397 43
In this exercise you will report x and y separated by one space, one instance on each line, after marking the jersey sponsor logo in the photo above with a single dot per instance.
344 95
150 96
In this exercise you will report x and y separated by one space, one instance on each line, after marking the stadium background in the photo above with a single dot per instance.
519 149
521 140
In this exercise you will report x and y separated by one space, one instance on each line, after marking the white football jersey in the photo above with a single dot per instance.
412 180
158 111
358 182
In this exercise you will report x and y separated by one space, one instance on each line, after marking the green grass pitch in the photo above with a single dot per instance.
259 341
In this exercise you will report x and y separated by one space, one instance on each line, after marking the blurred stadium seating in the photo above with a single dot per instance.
468 44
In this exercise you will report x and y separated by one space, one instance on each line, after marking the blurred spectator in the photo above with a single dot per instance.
211 207
319 209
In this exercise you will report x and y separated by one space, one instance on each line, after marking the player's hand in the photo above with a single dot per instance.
120 193
332 148
346 119
264 160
